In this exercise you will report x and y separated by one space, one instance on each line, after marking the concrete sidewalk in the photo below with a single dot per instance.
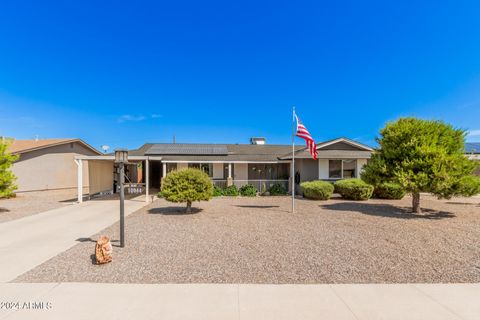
217 301
30 241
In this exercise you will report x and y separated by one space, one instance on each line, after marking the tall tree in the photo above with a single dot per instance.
423 156
7 178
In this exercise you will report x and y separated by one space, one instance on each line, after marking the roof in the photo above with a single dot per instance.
187 149
22 146
335 148
472 147
249 152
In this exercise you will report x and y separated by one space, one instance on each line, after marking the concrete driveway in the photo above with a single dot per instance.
30 241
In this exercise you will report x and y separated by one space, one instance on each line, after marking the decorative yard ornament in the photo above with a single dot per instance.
103 250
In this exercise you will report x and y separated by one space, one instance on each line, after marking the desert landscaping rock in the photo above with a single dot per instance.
29 203
257 240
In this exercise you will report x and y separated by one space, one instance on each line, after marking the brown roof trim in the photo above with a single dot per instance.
47 143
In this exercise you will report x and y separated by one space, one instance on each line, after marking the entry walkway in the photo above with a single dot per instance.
212 301
30 241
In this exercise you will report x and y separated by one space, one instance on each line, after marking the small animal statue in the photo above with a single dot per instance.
103 250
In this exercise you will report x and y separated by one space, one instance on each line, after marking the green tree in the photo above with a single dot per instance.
423 156
7 178
187 185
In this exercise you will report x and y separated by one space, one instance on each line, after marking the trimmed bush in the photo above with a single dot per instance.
354 189
277 190
389 190
317 190
248 190
187 185
217 191
230 191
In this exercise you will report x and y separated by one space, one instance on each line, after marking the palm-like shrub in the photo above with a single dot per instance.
248 190
354 189
317 190
187 185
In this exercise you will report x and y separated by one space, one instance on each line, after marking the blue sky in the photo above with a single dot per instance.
122 73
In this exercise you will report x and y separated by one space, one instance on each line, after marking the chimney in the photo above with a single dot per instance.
257 140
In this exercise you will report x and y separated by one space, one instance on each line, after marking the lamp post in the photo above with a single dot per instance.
121 157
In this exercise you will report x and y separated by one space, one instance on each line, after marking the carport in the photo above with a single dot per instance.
102 171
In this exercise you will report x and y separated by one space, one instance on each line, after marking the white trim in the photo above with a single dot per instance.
79 180
113 158
221 161
147 179
357 174
348 141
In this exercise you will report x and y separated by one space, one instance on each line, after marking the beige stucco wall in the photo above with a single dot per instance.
308 169
218 171
182 166
241 171
50 168
100 176
360 164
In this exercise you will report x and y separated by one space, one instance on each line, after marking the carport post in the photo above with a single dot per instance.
147 179
79 180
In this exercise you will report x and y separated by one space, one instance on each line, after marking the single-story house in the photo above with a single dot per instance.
46 164
257 163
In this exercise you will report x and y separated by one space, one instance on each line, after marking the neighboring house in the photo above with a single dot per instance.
472 150
46 164
257 163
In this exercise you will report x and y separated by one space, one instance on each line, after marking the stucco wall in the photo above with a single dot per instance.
308 169
218 171
182 166
50 168
241 171
100 176
360 164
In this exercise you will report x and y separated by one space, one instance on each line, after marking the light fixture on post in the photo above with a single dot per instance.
121 158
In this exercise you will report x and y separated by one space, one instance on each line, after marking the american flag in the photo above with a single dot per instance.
303 133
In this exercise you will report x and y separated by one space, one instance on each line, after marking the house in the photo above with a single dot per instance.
257 163
472 151
46 164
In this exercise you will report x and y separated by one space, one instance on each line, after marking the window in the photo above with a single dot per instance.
342 169
205 167
171 167
349 168
335 169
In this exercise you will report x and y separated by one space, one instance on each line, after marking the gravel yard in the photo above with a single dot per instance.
29 203
257 240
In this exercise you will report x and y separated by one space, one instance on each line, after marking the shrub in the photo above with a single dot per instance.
231 191
354 189
248 190
7 178
318 190
187 185
389 190
277 190
217 191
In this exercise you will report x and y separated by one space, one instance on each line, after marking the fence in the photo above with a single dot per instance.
261 185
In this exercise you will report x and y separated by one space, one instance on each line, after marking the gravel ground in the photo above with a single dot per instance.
29 203
244 240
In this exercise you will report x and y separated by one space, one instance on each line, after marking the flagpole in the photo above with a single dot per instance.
293 159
